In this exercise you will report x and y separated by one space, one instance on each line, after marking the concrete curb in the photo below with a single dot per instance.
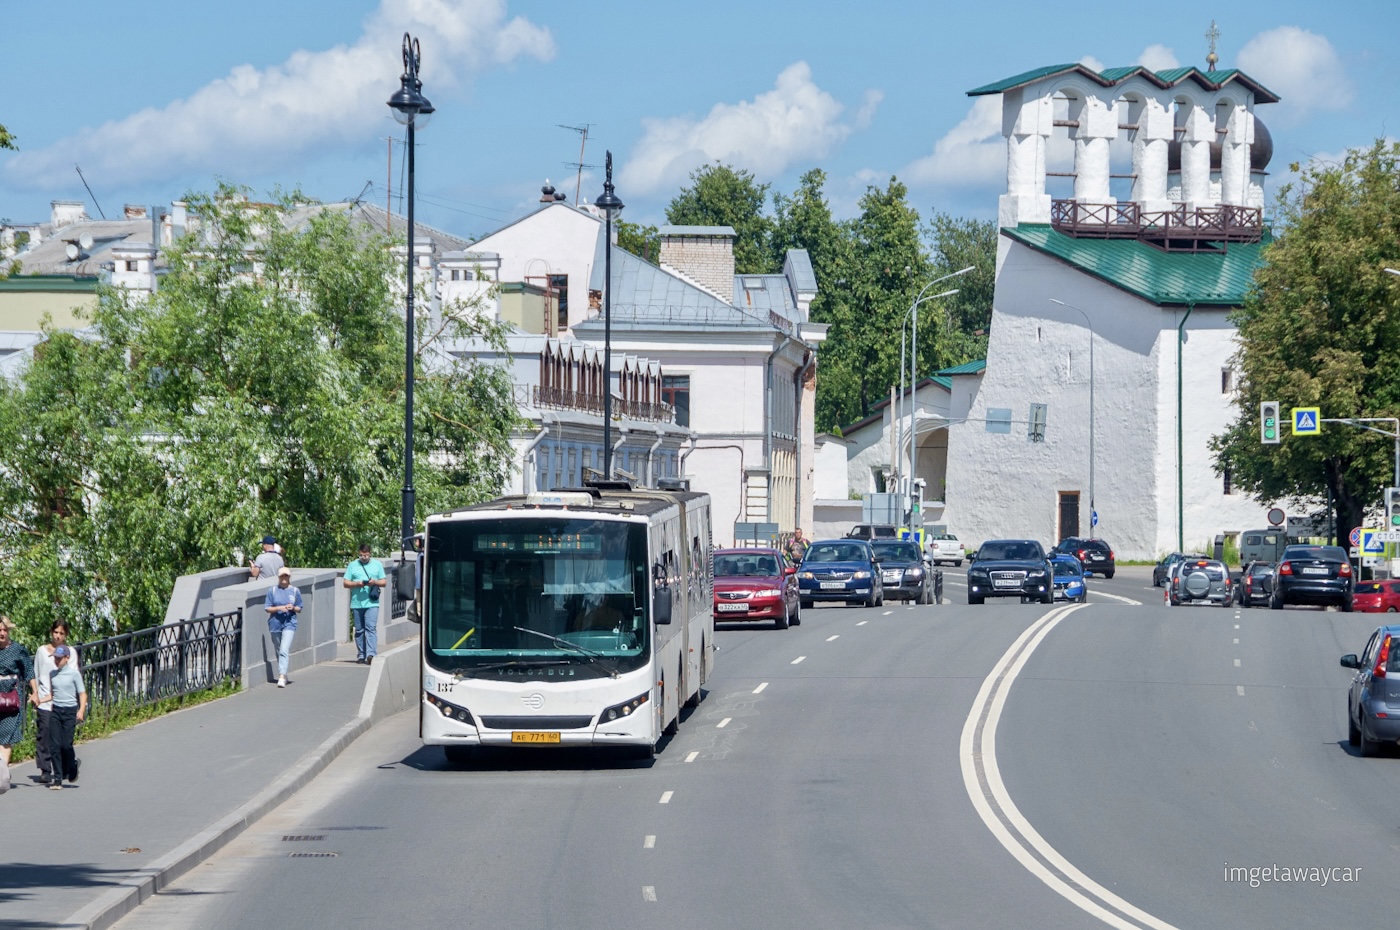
387 691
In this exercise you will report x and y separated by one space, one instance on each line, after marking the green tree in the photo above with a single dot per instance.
7 141
642 241
877 274
260 389
719 195
1321 327
961 330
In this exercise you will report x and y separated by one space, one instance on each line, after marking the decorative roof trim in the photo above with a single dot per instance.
1210 80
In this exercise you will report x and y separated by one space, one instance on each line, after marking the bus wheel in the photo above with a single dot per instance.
457 755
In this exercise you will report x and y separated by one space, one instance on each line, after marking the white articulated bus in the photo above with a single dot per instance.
566 618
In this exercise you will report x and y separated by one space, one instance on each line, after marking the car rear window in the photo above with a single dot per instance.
1215 571
1367 587
1098 545
1331 553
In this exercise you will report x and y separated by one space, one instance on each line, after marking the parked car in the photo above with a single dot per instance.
1199 580
1256 584
1374 694
1069 579
869 531
1010 568
903 573
1094 554
1376 597
1313 575
1162 569
840 570
945 547
756 584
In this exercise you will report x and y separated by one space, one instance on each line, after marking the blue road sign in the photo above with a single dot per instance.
1371 542
1307 421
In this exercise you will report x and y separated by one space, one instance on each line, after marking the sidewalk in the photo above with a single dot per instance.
154 800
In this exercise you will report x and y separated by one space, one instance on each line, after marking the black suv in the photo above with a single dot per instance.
872 531
1093 554
1010 568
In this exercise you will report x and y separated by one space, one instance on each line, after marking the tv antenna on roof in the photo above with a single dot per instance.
582 144
89 190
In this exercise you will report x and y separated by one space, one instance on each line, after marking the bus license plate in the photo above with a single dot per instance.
525 736
833 585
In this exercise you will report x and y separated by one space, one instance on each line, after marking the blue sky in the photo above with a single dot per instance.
269 93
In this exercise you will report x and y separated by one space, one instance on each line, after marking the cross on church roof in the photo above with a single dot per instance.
1212 59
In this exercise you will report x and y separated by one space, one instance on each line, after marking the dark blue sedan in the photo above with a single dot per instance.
840 570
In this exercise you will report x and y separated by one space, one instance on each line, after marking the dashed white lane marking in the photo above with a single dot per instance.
1239 689
691 756
862 623
830 638
1237 663
1237 626
649 842
1237 640
723 723
887 613
759 689
796 660
982 779
666 797
648 893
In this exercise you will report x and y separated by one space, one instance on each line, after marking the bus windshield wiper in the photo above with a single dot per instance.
592 654
514 663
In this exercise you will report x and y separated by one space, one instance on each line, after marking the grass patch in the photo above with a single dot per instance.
104 720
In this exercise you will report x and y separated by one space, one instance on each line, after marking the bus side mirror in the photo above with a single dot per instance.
661 606
403 581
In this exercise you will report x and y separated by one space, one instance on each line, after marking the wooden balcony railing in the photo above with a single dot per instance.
1177 229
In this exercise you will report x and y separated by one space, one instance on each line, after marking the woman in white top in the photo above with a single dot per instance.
44 666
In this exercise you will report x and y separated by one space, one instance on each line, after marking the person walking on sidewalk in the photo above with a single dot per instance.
268 564
43 666
17 678
365 579
69 710
282 604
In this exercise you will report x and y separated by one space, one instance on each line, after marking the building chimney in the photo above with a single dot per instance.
134 211
705 254
547 192
66 213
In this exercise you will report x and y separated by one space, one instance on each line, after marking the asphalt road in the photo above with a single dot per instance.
830 792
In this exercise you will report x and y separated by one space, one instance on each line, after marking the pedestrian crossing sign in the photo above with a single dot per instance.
1307 421
1371 544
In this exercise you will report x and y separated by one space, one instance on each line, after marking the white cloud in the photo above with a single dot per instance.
1158 58
1089 61
972 152
259 119
1301 67
795 120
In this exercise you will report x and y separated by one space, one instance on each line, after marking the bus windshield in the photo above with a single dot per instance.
555 590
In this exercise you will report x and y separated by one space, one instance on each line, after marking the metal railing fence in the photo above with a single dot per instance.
163 662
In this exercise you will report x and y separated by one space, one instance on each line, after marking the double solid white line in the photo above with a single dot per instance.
982 779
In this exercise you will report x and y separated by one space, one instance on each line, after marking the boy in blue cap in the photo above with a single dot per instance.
69 710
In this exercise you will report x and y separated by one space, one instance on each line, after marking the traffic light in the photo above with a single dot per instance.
1392 509
1268 422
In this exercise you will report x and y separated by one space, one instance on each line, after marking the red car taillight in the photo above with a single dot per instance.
1382 658
1345 570
1079 555
1285 568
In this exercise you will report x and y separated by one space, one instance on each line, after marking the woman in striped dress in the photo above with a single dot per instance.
16 674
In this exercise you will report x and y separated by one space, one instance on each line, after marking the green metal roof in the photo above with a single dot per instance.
61 283
966 368
1162 278
1210 80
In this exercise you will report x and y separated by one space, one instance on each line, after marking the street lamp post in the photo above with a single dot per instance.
611 205
1093 512
411 109
913 379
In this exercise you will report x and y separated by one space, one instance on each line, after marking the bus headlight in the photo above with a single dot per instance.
450 711
623 709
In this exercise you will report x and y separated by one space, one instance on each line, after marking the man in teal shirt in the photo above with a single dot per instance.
365 579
